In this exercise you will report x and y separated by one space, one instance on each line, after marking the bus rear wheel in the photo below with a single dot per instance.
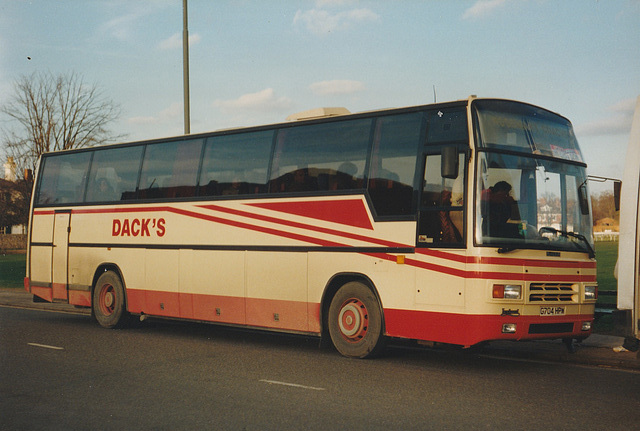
355 321
108 301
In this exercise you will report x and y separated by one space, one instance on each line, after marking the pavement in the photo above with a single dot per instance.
597 350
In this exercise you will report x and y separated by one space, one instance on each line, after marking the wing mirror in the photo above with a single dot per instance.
449 163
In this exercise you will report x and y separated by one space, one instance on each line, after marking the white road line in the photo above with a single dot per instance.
45 346
295 385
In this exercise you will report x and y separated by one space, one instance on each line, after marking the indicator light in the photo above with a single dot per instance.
507 291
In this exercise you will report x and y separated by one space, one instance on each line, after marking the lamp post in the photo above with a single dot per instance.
185 67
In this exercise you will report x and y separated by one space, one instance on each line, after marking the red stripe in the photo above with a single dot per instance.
442 254
350 212
424 251
439 268
263 229
123 210
493 275
506 260
305 226
412 262
215 219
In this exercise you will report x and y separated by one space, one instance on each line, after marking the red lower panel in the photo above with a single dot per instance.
45 293
271 313
80 297
452 328
60 291
313 311
467 330
162 303
136 301
214 308
256 312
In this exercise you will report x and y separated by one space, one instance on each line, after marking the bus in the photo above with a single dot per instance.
452 223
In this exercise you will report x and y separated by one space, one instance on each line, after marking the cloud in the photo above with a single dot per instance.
264 100
120 27
172 112
606 126
175 41
336 87
617 124
321 21
127 14
482 8
323 3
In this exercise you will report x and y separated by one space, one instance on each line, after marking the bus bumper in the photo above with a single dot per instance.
468 330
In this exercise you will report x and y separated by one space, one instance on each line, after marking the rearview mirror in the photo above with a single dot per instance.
583 199
449 163
617 185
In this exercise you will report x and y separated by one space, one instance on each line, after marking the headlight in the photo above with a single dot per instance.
590 293
507 291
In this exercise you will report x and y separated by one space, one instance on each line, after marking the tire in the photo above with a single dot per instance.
355 321
108 301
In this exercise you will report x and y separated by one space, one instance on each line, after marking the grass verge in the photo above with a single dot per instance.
12 270
607 256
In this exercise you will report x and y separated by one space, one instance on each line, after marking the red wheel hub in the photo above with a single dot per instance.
353 320
107 300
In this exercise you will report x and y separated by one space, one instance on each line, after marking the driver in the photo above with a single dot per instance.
498 204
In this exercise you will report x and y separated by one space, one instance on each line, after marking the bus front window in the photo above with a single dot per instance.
531 202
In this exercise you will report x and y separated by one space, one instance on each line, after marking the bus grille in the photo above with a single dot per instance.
553 292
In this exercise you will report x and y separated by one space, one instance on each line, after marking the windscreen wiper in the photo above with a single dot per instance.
592 253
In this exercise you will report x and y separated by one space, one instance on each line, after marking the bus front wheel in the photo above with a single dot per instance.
108 301
355 321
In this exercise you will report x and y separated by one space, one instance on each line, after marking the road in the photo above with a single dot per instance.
62 371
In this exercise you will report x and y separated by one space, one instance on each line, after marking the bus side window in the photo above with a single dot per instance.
442 205
235 164
63 179
114 173
182 182
320 157
393 163
170 170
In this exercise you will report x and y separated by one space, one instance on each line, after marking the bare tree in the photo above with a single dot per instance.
48 113
603 206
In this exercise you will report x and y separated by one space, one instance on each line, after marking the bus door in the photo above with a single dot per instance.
60 255
441 224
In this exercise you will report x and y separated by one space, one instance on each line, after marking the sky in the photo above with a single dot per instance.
256 62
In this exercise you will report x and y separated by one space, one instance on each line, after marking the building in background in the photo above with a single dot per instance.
12 198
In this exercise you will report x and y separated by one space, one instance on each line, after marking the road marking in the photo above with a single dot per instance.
295 385
45 346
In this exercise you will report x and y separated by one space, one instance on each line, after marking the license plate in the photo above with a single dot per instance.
552 311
